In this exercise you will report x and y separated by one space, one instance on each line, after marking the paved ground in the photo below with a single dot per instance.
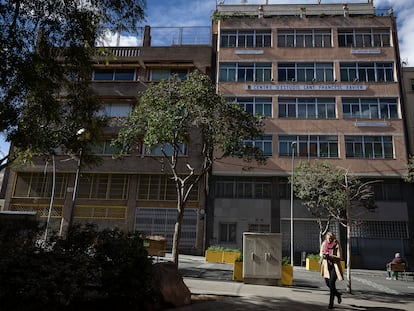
213 289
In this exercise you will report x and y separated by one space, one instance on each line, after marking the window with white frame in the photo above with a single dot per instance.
307 108
372 147
304 38
316 146
369 37
246 38
113 75
227 232
254 105
306 72
158 74
367 72
242 72
264 143
370 108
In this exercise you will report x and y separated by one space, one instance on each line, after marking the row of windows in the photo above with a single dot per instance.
306 38
155 74
320 107
327 146
307 72
261 188
99 186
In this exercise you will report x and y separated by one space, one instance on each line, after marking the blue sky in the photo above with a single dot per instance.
176 13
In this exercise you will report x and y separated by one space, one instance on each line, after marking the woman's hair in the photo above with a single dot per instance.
330 234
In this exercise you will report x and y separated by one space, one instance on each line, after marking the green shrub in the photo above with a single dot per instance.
313 256
240 258
285 261
220 248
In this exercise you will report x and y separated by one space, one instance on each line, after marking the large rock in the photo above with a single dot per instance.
170 284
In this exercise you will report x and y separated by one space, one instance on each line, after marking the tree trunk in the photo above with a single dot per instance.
177 232
348 259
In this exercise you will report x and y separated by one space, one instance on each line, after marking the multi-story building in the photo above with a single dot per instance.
327 77
133 193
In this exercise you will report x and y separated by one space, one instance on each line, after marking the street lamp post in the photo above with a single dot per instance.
293 146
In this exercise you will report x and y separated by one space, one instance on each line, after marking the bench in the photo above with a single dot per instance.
398 268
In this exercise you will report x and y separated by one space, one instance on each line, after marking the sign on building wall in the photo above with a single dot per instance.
305 87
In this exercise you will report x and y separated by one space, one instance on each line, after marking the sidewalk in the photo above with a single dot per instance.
213 289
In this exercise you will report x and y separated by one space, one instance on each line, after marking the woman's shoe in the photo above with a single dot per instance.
330 306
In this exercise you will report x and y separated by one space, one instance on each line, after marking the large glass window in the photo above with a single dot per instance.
243 188
369 37
246 38
367 72
370 108
158 74
114 75
103 186
254 105
39 185
305 72
304 38
307 108
227 232
115 110
242 72
264 143
319 146
166 149
372 147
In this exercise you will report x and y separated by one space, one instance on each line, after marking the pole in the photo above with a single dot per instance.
52 194
291 202
75 189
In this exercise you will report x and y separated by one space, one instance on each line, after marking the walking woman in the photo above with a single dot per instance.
331 269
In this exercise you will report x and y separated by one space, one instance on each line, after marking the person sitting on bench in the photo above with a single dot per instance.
397 259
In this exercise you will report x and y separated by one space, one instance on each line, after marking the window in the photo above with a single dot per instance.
115 110
370 108
364 37
161 188
305 72
304 38
158 74
242 72
412 85
264 143
104 147
243 188
114 75
166 148
254 105
367 72
307 108
372 147
322 146
246 38
388 190
103 186
227 232
39 185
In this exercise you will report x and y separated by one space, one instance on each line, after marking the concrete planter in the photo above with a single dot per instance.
238 271
313 264
221 256
287 275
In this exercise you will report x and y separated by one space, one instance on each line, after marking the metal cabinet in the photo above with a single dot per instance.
262 258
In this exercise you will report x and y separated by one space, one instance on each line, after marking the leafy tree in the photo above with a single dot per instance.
172 113
46 48
330 192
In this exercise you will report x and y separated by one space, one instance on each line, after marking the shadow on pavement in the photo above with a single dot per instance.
257 303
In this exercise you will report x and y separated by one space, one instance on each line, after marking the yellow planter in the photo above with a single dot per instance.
313 264
230 257
238 271
287 275
214 256
343 265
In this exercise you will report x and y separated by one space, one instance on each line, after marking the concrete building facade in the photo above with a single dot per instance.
135 192
327 77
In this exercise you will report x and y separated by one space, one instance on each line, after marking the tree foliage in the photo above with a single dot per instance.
46 51
330 192
172 113
89 270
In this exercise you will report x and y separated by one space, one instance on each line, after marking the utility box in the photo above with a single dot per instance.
262 258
